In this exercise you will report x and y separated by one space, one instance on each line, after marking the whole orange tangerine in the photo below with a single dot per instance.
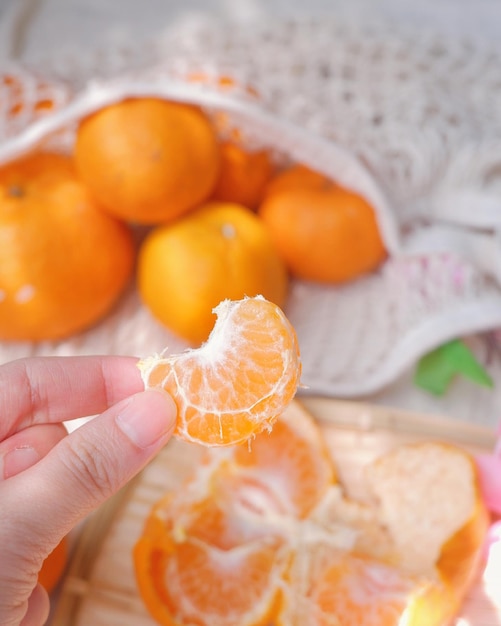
218 251
63 261
148 160
244 175
323 232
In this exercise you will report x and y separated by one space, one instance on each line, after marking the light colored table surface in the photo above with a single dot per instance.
45 26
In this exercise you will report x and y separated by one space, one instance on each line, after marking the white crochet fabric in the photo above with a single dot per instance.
411 122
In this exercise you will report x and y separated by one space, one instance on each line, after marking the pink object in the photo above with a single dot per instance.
489 466
490 478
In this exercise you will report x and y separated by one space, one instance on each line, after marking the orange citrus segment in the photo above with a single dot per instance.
361 592
328 587
229 595
200 584
206 562
238 382
292 461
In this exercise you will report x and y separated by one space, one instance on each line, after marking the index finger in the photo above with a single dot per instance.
55 389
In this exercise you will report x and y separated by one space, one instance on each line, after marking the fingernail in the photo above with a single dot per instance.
147 417
19 459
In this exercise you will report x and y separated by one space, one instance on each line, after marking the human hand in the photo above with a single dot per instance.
49 479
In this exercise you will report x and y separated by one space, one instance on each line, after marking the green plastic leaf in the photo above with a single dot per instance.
436 370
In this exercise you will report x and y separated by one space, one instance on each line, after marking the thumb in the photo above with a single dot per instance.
87 467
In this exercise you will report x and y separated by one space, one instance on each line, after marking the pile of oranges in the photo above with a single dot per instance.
151 190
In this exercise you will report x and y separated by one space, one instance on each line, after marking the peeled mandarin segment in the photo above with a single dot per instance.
240 586
197 563
362 592
238 382
292 461
196 583
329 587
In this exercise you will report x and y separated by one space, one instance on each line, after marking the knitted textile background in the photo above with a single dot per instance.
411 120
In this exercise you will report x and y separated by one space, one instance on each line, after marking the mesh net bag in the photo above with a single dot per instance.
412 121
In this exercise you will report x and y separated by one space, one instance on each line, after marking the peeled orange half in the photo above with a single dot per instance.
265 535
217 551
238 382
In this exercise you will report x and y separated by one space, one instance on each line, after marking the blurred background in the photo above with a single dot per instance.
87 23
31 31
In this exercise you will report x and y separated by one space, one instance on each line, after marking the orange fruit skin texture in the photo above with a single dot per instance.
63 262
148 160
54 566
244 175
238 382
324 232
218 251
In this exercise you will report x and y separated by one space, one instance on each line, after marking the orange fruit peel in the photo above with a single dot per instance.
239 381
